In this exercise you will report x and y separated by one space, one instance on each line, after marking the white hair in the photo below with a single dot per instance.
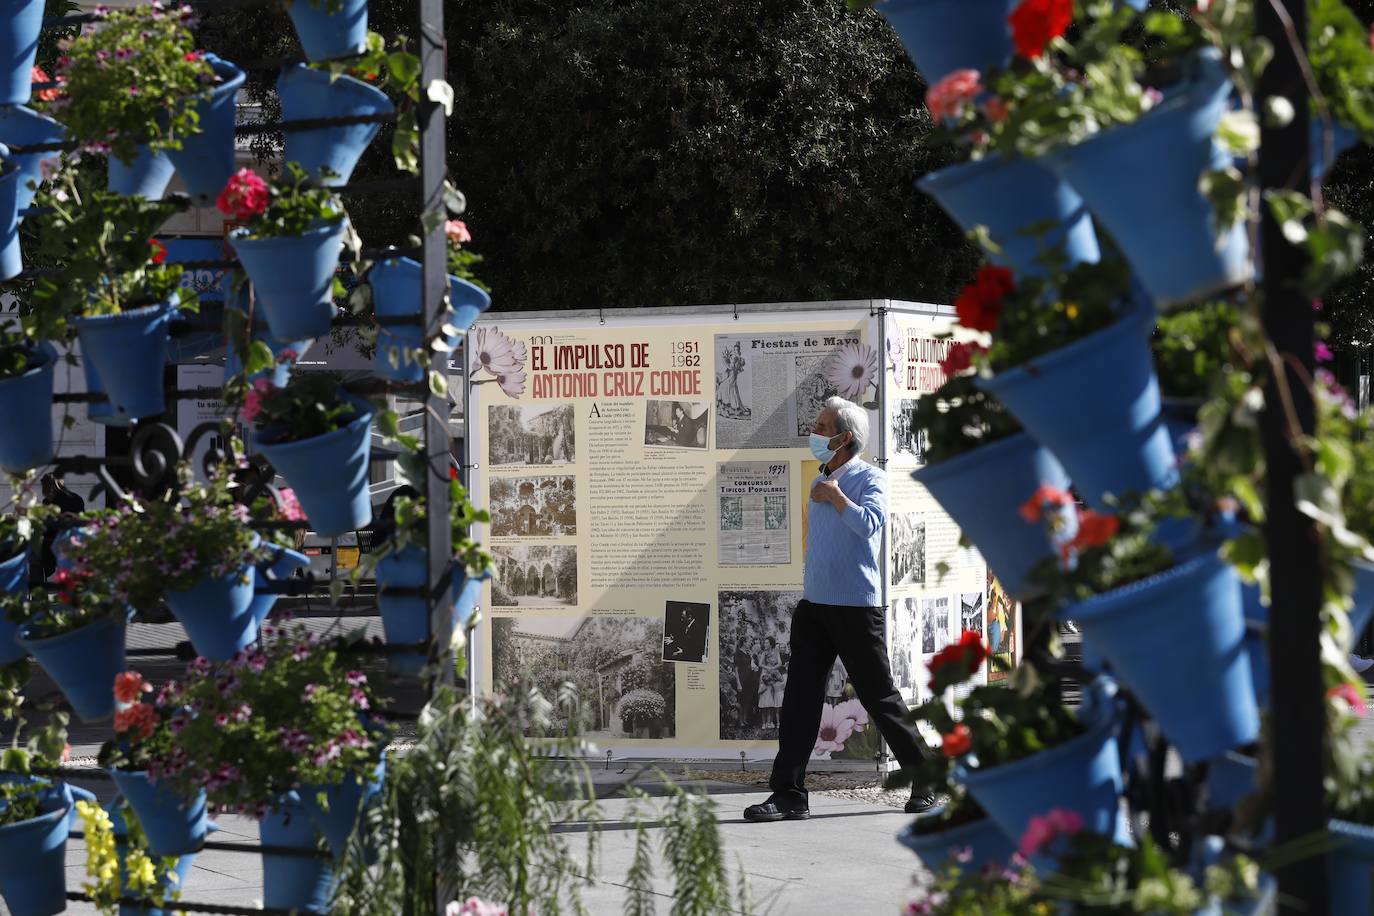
850 418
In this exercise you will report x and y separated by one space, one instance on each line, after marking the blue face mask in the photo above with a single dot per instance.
820 447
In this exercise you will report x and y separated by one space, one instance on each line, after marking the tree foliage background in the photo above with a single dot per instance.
650 153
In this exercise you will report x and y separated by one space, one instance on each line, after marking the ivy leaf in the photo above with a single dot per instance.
260 358
438 384
388 423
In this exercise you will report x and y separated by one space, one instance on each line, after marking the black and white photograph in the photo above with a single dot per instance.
755 627
676 424
813 388
971 612
533 506
935 624
734 381
624 688
908 442
535 575
904 641
532 434
685 626
908 548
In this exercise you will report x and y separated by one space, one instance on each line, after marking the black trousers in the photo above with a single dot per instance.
820 632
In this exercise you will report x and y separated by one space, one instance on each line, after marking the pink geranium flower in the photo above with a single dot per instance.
244 196
1045 829
1347 692
290 506
457 232
947 98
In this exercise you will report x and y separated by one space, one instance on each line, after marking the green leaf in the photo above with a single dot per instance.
260 358
438 383
388 423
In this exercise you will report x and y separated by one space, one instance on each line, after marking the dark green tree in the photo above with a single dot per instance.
629 152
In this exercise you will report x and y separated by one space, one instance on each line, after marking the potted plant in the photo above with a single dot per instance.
114 287
1070 359
18 49
289 243
979 466
76 633
122 865
1018 750
318 437
131 88
1132 596
330 28
21 126
960 832
1192 350
174 820
17 533
11 255
294 882
285 715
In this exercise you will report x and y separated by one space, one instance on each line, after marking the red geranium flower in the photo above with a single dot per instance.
1095 529
38 75
159 251
129 687
1035 23
958 742
979 304
244 196
960 358
957 661
1033 509
138 720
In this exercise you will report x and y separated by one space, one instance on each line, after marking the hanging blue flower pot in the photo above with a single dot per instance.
1256 645
11 255
983 490
1140 181
147 176
405 618
981 843
182 868
293 277
129 350
1095 404
329 473
174 824
325 35
14 580
20 126
465 598
280 373
206 159
397 287
1009 195
1362 598
1230 778
947 35
1082 775
26 439
33 853
217 614
19 30
84 663
105 412
1177 640
309 93
282 563
293 882
1350 866
346 802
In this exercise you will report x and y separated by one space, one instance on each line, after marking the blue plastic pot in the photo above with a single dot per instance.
174 824
11 255
280 565
105 412
465 598
147 176
217 614
33 853
293 277
84 663
26 439
14 580
19 29
182 868
280 373
1230 778
983 490
405 618
982 840
1256 644
397 288
947 35
1095 405
325 35
1140 181
128 351
1177 640
1362 599
1082 775
346 802
329 474
293 882
206 159
1350 866
309 93
20 126
1009 195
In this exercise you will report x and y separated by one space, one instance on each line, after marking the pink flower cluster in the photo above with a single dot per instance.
255 400
474 906
947 98
244 196
1048 827
457 232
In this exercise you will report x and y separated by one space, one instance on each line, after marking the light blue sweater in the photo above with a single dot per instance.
843 550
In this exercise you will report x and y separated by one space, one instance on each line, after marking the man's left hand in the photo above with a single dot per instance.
828 491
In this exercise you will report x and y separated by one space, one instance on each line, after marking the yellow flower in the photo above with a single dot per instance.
1071 310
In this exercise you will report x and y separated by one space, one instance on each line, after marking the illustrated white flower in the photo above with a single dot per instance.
496 353
835 730
851 369
512 383
896 347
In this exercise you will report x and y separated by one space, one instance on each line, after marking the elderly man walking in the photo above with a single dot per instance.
840 614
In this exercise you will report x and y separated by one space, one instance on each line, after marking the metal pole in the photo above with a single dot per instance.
1294 552
434 255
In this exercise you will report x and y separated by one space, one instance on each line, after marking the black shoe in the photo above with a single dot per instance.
920 802
774 810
